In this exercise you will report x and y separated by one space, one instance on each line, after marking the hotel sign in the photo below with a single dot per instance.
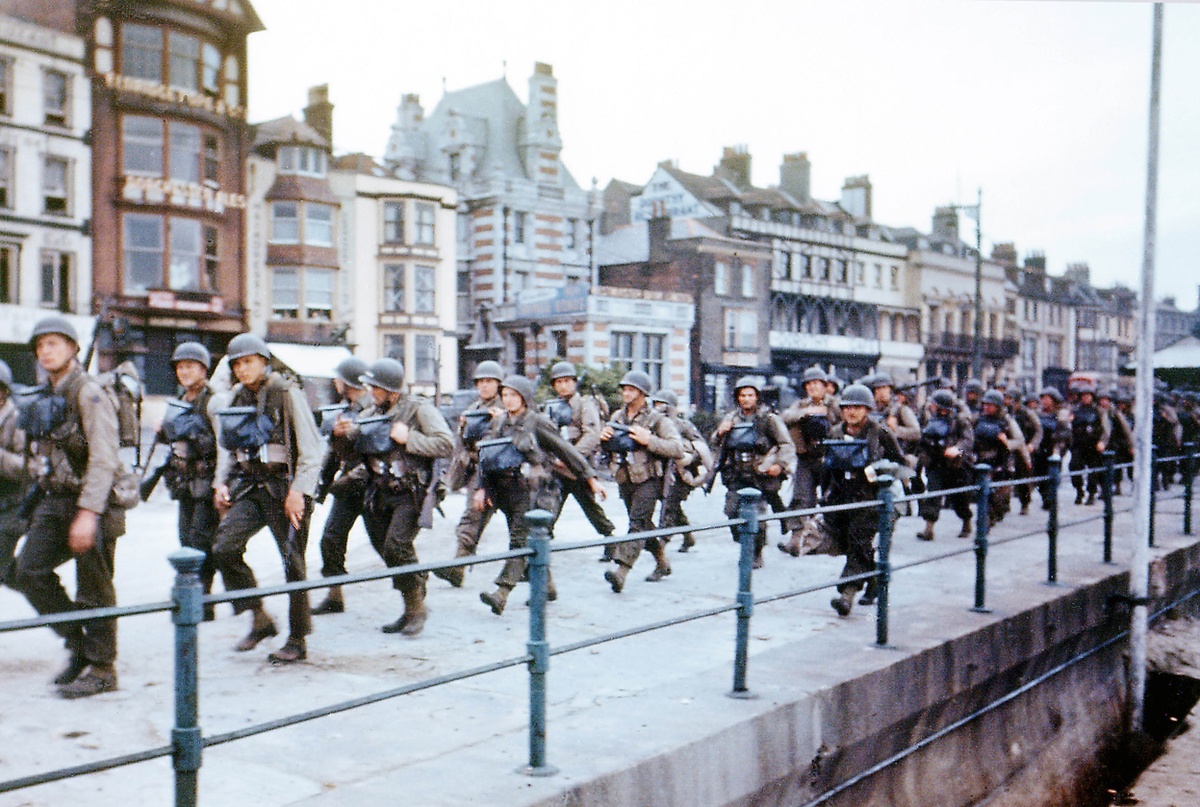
156 190
173 95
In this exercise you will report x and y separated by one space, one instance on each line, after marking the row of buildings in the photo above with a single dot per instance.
135 195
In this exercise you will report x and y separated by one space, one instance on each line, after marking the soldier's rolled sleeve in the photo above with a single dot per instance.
310 446
99 419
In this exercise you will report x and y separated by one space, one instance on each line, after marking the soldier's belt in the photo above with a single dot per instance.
270 454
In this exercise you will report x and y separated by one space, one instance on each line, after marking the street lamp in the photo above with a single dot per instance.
973 211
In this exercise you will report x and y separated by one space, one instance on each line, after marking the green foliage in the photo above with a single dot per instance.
603 381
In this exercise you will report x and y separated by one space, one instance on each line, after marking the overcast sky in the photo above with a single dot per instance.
1041 104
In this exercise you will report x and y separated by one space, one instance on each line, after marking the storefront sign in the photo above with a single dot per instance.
162 298
185 194
172 95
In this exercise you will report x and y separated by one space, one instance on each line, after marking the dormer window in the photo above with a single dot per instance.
303 160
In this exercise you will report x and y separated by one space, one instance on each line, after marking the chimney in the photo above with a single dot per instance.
1079 272
735 167
856 197
795 176
945 225
1036 261
658 231
1005 253
319 112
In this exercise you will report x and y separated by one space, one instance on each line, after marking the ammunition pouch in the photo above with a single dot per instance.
245 428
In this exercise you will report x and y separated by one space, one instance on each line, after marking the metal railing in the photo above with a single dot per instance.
188 601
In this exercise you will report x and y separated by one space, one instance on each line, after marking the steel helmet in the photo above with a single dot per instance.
973 385
814 373
881 380
192 351
5 375
522 386
833 379
1052 393
387 374
247 344
638 380
54 323
563 369
350 370
994 397
667 397
858 395
943 399
488 369
752 381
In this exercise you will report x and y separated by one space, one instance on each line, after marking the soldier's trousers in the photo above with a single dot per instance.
1000 498
1091 462
45 550
804 489
335 536
640 500
672 514
939 477
472 523
12 527
731 511
1041 467
1024 490
587 502
514 498
854 534
248 514
198 522
391 518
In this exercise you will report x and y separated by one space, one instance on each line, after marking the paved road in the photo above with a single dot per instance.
460 743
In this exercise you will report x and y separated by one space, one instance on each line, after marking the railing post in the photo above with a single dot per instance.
188 596
1055 472
983 478
539 522
883 565
1153 492
748 501
1189 472
1109 458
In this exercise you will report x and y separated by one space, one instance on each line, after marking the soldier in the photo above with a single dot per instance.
472 424
808 422
578 421
687 473
1189 429
1121 443
850 480
1090 433
192 463
399 444
997 439
946 453
758 453
973 395
1056 436
833 386
1031 432
343 476
515 476
900 420
1166 434
73 439
647 441
267 471
12 477
1125 407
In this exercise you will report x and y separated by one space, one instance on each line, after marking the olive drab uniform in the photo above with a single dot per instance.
398 478
906 428
188 476
516 477
992 451
1056 437
941 432
1031 433
288 457
748 450
1090 426
77 465
583 432
807 430
1167 435
348 488
1121 443
639 474
686 474
12 488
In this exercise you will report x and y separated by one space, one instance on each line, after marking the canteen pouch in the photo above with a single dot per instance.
845 455
244 427
374 436
621 441
742 437
499 456
182 422
475 425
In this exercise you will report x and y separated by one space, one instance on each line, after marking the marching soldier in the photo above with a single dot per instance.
646 442
579 422
1121 443
688 473
997 440
192 462
1031 432
973 395
1166 434
472 424
73 439
755 451
900 420
947 442
1125 407
515 476
267 471
12 477
851 479
1091 430
1056 437
343 477
399 444
808 422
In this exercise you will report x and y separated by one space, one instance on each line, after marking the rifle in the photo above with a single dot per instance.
669 480
329 470
147 485
722 461
435 491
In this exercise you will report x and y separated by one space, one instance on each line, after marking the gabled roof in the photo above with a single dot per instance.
630 243
702 187
286 130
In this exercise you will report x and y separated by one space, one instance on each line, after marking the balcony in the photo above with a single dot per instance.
964 343
307 333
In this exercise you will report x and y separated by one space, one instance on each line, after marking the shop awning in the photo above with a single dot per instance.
309 361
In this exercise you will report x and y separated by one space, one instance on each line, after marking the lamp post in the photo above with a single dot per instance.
977 338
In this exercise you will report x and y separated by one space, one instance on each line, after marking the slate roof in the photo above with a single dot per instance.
630 243
286 130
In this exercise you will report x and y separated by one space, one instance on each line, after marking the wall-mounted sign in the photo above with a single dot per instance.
157 190
162 298
172 95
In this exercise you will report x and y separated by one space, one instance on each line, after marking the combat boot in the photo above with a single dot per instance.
332 604
927 533
662 566
98 678
455 575
843 603
689 541
1024 508
1079 496
75 667
261 628
965 532
293 650
1091 498
616 577
412 621
497 599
